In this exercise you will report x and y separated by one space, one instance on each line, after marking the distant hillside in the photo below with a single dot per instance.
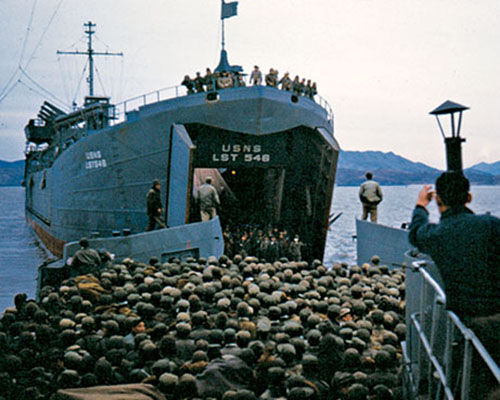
479 177
377 160
391 169
11 173
387 168
492 169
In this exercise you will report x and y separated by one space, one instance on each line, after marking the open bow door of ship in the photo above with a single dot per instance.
179 176
281 181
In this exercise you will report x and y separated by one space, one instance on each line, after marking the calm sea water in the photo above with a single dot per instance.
395 209
20 253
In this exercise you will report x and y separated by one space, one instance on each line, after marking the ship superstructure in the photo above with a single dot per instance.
272 153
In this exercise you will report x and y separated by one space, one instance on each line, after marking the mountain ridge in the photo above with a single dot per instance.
388 168
11 173
489 168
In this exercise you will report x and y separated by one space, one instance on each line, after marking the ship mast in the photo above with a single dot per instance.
90 53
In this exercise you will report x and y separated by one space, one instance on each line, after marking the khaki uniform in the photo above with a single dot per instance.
209 200
370 195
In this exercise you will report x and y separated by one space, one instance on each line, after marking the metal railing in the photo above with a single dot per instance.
156 96
444 359
171 92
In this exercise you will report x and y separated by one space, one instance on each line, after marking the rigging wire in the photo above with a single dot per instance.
68 76
40 93
121 79
28 31
25 41
43 34
6 91
29 87
79 83
64 80
9 91
80 39
100 81
102 41
54 97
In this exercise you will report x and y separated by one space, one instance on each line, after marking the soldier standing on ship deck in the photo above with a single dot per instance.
154 207
256 76
370 195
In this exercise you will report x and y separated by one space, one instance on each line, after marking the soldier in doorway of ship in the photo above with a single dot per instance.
154 207
209 200
295 249
85 260
370 195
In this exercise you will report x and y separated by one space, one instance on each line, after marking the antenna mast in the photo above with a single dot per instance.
90 53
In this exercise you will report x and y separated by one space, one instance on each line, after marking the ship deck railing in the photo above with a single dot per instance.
171 92
443 358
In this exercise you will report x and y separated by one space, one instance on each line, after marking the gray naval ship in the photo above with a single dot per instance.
271 153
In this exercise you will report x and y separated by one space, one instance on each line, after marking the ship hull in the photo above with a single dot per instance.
96 186
388 243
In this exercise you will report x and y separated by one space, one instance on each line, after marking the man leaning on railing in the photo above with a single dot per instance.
466 250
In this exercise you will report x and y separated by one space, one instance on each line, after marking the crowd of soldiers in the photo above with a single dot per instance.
227 328
228 79
267 244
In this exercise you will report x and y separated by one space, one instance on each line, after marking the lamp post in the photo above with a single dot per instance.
453 142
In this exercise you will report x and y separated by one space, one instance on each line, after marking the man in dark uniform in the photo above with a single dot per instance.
466 250
189 83
198 83
464 246
85 260
154 207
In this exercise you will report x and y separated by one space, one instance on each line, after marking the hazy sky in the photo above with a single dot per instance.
382 65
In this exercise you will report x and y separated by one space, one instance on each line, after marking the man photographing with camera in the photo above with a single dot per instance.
465 247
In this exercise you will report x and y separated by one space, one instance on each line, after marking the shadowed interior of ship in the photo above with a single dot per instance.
282 180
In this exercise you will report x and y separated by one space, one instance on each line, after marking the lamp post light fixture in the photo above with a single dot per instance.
453 141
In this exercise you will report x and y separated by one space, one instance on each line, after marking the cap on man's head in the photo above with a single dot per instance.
453 188
156 182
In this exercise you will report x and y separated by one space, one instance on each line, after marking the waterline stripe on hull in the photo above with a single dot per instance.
54 245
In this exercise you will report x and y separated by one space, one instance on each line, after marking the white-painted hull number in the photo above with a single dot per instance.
241 153
94 160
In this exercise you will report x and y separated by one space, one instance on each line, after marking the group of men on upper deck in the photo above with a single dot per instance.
227 79
297 86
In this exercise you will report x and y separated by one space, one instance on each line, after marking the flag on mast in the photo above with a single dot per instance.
229 9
